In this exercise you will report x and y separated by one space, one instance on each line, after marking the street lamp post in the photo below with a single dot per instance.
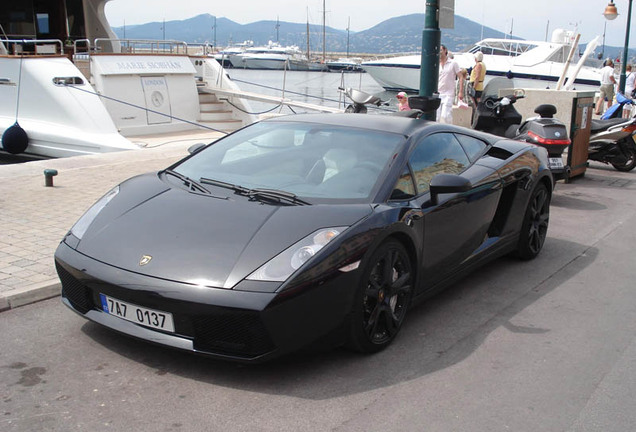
611 13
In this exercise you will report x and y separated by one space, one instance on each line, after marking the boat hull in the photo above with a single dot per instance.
403 73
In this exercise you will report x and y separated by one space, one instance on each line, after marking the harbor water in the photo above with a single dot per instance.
319 88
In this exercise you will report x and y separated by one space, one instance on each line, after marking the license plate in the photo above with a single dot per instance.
555 163
137 314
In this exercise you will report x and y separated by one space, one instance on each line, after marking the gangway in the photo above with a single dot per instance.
269 99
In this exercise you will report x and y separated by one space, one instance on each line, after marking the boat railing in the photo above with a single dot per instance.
81 46
140 46
201 49
33 46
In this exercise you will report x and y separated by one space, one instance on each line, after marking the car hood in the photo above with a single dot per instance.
212 240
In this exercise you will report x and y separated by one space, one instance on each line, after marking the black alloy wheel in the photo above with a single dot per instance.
629 162
382 299
534 228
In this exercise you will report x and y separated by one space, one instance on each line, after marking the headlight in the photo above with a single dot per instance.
280 267
87 218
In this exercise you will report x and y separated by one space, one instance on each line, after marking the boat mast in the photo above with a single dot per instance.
324 12
308 57
348 25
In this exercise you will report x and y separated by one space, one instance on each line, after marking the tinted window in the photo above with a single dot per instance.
474 147
436 154
404 188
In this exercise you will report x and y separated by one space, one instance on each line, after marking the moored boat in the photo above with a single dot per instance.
533 64
346 64
95 93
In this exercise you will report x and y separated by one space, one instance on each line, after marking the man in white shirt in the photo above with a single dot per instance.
449 70
606 91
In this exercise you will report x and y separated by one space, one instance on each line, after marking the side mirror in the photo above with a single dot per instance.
448 183
196 148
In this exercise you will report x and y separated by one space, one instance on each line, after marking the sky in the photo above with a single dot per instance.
527 19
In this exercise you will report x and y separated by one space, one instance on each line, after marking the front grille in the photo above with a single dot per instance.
231 332
74 290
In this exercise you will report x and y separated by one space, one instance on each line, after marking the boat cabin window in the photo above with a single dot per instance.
64 81
502 48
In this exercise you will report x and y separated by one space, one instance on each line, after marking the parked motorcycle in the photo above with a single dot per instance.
612 142
497 115
616 110
360 100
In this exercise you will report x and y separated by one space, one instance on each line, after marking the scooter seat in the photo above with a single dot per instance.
601 125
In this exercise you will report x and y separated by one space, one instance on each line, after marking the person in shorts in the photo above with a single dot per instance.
606 91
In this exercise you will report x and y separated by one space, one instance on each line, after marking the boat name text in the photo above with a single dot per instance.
149 65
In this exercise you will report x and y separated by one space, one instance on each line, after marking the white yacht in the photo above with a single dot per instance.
73 88
532 64
224 55
346 64
271 56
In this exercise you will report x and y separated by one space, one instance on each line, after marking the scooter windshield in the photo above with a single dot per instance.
496 84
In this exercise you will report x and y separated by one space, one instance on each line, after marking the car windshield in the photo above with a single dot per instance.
305 159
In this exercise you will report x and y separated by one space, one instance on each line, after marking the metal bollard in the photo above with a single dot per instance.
48 177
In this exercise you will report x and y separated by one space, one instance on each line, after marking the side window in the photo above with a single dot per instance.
473 146
404 188
436 154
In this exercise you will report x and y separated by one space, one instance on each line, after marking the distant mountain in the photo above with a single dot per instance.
395 35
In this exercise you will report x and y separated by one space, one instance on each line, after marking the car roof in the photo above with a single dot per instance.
385 123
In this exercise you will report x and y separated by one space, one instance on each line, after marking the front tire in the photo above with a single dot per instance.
382 299
534 228
630 160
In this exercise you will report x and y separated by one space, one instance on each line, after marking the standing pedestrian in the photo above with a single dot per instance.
606 91
630 92
477 77
449 71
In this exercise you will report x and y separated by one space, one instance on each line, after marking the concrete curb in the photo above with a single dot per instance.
33 293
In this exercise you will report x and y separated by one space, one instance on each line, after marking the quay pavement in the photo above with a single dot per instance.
34 218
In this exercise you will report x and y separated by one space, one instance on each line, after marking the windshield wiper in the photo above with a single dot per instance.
191 184
240 189
276 195
258 193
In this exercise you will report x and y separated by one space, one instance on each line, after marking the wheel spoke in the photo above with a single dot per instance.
372 323
373 288
387 272
397 285
391 321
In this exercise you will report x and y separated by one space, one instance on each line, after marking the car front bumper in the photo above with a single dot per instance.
245 326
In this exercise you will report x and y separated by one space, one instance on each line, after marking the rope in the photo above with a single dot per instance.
287 91
17 102
247 112
145 109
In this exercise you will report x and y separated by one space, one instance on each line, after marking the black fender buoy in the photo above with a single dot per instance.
15 139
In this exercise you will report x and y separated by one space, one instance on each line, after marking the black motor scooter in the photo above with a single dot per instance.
498 116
